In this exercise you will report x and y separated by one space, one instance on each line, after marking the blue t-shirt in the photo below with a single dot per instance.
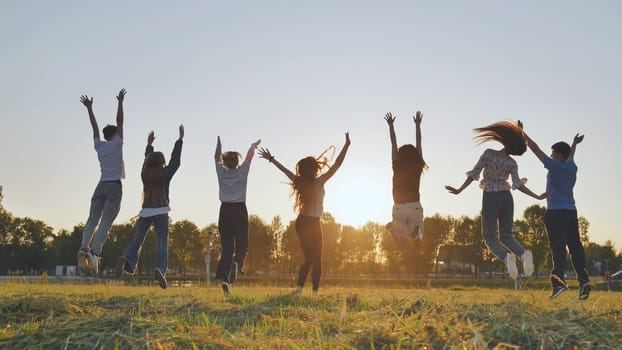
560 182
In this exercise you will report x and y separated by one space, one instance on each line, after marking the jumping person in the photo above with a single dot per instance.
497 203
156 177
233 217
408 165
106 200
308 191
562 224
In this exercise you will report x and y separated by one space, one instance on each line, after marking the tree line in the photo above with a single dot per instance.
30 246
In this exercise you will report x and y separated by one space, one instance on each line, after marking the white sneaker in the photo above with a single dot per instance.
527 259
510 262
93 263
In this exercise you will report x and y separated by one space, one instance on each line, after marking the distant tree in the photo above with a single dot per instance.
185 250
584 227
331 229
261 245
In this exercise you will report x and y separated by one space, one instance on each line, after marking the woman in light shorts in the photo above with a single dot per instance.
408 165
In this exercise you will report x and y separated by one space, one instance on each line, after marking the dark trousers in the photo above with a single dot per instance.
310 235
562 227
132 252
233 228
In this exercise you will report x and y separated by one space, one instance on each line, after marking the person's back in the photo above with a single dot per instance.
560 182
110 156
232 183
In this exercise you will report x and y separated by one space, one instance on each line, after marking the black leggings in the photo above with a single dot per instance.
310 234
233 228
562 227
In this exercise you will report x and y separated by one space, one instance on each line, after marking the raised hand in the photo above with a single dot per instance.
452 190
150 138
121 95
578 139
181 131
520 124
347 139
86 101
418 117
256 144
265 153
389 118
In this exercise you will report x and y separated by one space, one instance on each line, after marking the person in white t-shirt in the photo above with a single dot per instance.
106 200
233 216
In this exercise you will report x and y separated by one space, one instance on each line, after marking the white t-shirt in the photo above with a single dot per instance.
232 182
148 212
110 155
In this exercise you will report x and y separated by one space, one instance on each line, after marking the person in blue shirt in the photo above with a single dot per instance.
561 221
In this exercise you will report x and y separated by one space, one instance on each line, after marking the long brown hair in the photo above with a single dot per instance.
307 170
409 159
509 134
153 181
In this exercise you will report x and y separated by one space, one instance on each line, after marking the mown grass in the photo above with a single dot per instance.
40 316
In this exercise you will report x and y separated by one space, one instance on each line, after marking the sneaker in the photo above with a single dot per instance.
83 261
119 269
527 259
94 261
233 272
159 276
584 290
226 288
557 290
510 262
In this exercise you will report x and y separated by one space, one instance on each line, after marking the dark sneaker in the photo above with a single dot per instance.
119 269
226 288
83 261
558 290
584 290
233 272
159 276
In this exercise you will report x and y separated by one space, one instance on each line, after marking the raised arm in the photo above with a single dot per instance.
175 161
418 118
120 98
251 150
530 193
466 184
265 153
535 148
218 152
342 155
577 140
149 148
390 119
88 103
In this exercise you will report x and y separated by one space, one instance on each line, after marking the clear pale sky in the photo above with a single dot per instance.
299 75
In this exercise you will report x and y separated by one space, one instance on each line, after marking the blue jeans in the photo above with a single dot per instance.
105 205
132 252
498 212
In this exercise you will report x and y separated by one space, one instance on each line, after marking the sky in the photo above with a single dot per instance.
298 75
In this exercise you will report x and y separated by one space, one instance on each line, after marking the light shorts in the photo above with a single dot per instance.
407 221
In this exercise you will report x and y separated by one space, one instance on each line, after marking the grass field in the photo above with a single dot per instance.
100 316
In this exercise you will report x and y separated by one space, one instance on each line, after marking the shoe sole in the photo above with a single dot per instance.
585 292
558 294
226 290
161 279
83 262
511 266
233 272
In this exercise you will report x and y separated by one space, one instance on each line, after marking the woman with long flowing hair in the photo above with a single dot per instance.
497 201
308 191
